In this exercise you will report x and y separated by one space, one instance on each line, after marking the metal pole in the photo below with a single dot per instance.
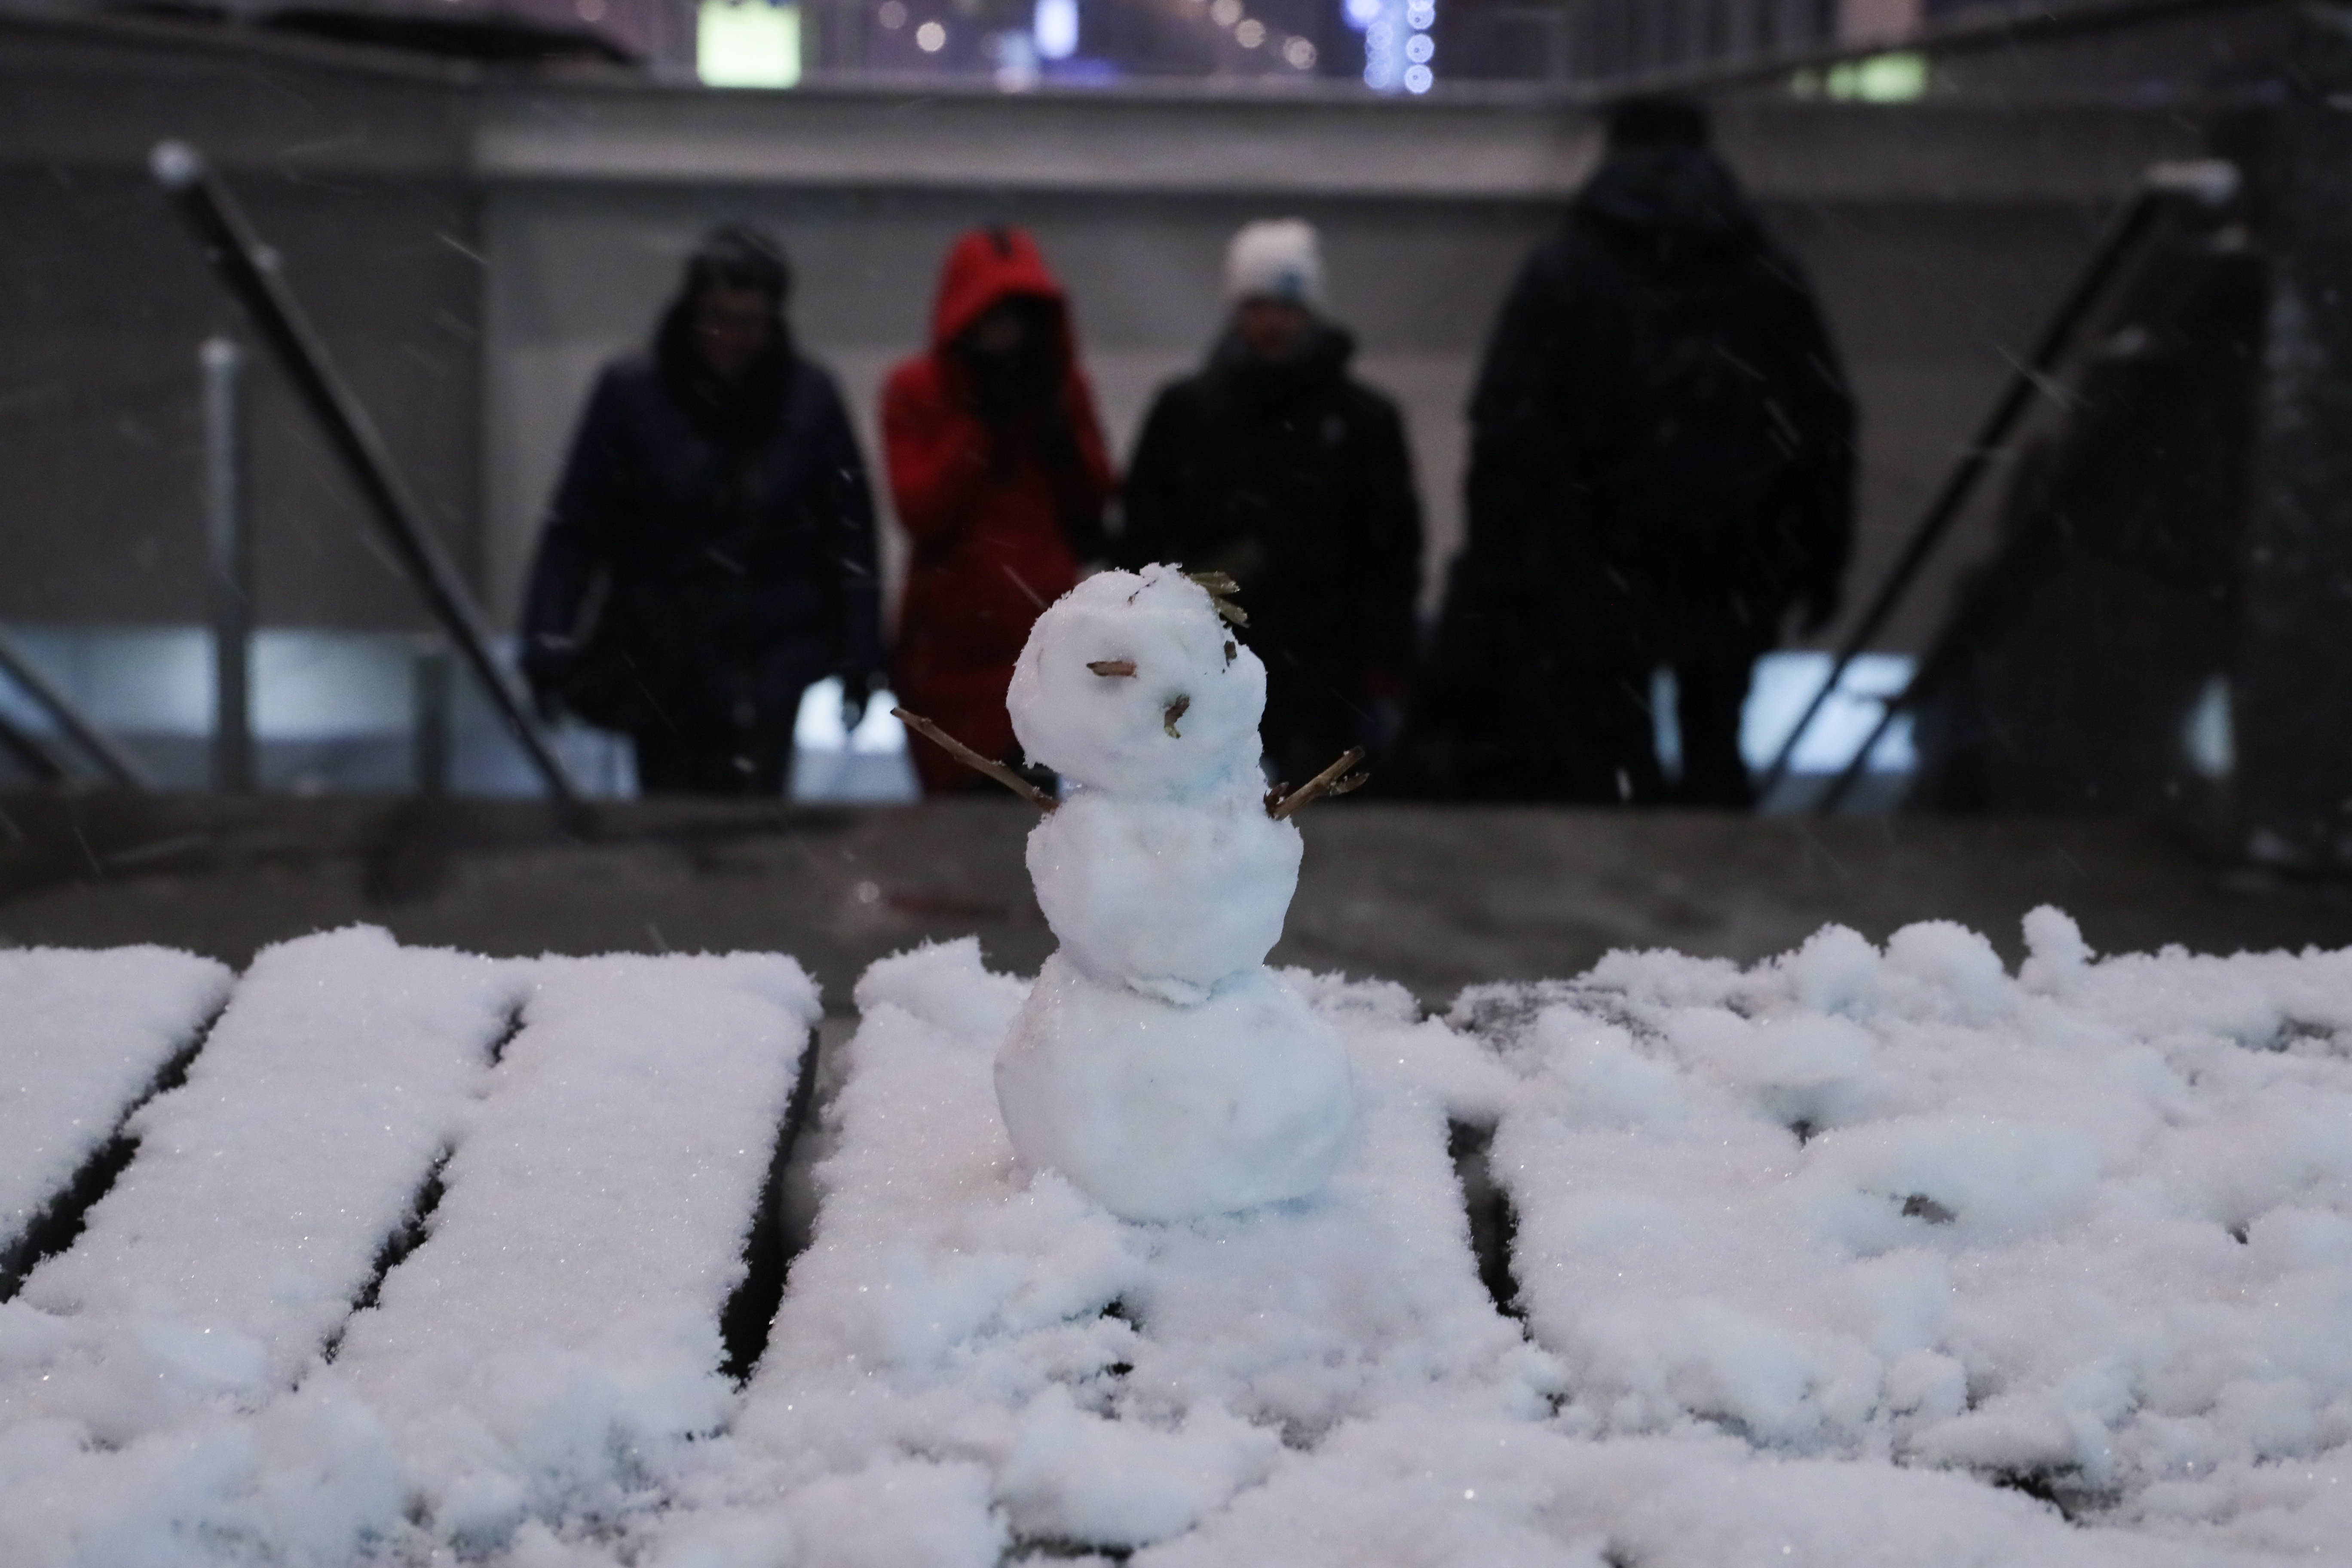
119 765
250 271
431 677
231 540
30 753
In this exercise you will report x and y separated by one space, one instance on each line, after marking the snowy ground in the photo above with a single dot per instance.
1861 1255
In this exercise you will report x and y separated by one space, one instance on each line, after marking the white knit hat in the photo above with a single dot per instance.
1279 259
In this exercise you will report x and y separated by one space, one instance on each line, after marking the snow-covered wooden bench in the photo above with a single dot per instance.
245 1352
1865 1254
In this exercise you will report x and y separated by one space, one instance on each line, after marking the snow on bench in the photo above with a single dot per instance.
83 1037
1859 1254
556 1339
2085 1232
544 1253
253 1213
967 1357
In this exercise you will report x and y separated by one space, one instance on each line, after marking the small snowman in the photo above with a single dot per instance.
1159 1064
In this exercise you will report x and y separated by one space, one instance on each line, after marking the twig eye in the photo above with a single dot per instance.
1176 709
1113 669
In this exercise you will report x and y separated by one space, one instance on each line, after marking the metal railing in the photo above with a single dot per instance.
250 271
2211 184
119 766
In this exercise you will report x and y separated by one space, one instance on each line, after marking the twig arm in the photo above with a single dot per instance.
974 761
1338 779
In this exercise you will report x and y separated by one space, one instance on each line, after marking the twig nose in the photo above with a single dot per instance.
1176 709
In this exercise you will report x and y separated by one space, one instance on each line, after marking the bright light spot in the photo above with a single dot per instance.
931 38
747 43
1384 63
1420 47
1881 79
892 15
1785 683
1361 13
1299 52
1418 79
1421 14
2210 737
1250 34
1225 13
1055 28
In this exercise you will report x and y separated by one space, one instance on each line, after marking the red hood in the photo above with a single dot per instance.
987 264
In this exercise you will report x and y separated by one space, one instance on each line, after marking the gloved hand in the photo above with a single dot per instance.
548 663
858 688
1057 444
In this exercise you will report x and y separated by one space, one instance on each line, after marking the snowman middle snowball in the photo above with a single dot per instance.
1157 1064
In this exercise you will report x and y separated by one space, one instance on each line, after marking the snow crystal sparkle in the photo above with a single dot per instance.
1158 1063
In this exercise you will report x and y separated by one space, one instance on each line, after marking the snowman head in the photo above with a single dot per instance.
1131 683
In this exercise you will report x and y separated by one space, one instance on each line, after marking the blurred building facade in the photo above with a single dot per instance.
475 235
1403 45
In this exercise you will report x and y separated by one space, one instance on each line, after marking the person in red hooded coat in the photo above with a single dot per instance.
997 465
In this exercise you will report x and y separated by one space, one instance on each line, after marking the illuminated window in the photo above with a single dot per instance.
1055 28
1881 79
747 43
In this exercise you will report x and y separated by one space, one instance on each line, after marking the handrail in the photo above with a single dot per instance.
250 270
119 765
2213 183
29 751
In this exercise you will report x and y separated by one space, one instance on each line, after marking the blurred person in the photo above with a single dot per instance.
709 553
997 465
1276 466
1662 468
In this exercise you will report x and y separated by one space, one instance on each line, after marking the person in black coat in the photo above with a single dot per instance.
709 553
1274 464
1662 468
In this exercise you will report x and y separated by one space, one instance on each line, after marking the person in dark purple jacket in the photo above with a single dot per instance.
709 553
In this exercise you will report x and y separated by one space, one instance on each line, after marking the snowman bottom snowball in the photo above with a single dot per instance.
1167 1112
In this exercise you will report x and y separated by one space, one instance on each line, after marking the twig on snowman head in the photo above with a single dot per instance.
1282 803
1221 587
974 761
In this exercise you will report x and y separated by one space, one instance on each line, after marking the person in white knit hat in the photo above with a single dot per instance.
1276 465
1277 261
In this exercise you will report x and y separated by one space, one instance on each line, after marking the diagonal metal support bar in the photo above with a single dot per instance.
28 751
2212 185
2209 183
250 271
119 765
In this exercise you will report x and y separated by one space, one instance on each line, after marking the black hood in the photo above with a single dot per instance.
1322 359
1680 192
743 413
